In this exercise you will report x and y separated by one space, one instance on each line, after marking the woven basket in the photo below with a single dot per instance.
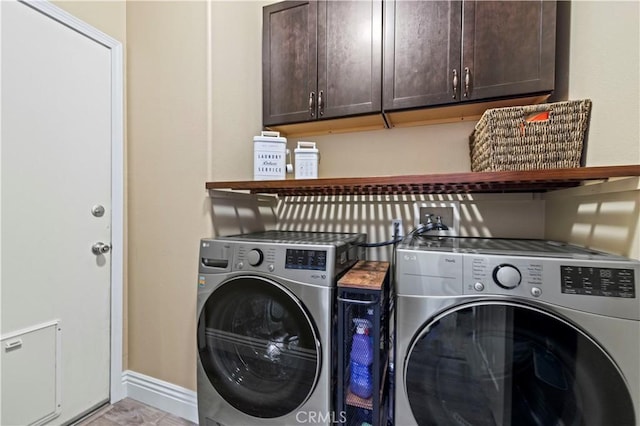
507 139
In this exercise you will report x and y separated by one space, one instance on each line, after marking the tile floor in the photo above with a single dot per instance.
131 412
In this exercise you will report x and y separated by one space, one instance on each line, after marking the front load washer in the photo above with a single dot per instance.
266 322
515 332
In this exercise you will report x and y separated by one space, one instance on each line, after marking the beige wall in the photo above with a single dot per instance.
236 87
604 40
169 155
194 104
605 66
604 217
109 16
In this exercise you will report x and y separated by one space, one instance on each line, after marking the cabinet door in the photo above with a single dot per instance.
289 61
421 53
509 47
349 58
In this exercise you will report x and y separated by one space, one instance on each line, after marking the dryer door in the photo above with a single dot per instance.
258 347
497 363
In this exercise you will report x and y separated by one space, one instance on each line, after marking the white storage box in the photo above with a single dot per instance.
307 159
269 156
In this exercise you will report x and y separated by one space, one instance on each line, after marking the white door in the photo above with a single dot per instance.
55 181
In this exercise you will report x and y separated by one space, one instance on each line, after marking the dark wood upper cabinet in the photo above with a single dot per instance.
509 47
422 50
289 60
446 52
321 60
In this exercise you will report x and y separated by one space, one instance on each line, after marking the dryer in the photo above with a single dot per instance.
266 322
515 332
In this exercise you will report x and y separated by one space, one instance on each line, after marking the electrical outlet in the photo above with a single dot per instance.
396 228
448 211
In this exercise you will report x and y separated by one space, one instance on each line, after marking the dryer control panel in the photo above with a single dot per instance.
604 287
593 281
535 270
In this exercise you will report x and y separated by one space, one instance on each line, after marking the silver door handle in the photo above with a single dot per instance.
312 104
455 83
467 81
100 248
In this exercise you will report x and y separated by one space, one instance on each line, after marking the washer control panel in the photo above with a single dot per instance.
313 260
316 258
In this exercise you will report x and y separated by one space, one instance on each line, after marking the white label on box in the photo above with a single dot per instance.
269 161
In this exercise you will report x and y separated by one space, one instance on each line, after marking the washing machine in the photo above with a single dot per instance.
266 324
515 332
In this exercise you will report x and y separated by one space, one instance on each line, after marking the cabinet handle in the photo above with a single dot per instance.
455 83
320 105
312 106
467 81
13 345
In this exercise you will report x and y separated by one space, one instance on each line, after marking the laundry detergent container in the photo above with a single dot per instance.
269 156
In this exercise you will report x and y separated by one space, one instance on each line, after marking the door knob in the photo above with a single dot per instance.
100 248
97 210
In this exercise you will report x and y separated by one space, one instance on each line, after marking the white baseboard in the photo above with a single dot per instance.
162 395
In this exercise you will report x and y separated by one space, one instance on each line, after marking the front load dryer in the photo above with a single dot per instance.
265 329
515 332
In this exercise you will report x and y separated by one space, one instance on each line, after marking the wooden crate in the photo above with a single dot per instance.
366 274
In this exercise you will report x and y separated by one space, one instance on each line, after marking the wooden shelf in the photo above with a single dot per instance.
449 183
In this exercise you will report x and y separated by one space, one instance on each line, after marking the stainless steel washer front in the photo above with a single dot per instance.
266 326
261 352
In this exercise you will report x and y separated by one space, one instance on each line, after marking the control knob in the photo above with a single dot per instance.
255 257
507 276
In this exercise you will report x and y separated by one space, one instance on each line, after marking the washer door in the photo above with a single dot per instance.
497 363
258 347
